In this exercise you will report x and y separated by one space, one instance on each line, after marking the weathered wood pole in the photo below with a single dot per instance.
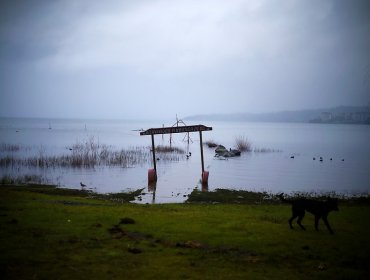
201 150
154 159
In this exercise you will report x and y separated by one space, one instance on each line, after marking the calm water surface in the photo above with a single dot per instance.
272 171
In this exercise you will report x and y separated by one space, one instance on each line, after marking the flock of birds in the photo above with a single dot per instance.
314 158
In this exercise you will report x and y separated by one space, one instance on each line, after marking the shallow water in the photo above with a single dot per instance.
272 171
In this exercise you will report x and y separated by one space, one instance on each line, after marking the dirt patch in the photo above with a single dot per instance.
117 232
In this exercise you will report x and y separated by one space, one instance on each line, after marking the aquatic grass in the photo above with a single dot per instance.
127 157
10 147
210 144
91 153
169 149
122 158
6 148
8 160
243 144
266 150
229 196
22 179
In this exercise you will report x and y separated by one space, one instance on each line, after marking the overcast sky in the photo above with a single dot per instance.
155 59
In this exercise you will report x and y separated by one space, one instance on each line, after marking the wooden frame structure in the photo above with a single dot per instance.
176 129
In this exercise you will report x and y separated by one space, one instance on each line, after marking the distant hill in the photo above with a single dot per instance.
342 114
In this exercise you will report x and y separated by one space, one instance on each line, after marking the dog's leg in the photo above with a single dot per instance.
291 220
325 219
295 213
300 218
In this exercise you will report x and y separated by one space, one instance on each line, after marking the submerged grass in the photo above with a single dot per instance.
21 179
69 235
210 144
266 150
10 147
169 149
243 144
80 158
88 154
228 196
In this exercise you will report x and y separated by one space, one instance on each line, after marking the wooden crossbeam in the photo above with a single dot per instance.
176 129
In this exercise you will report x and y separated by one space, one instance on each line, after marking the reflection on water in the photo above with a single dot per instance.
205 187
346 146
152 187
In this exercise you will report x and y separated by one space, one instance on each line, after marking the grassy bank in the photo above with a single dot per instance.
48 233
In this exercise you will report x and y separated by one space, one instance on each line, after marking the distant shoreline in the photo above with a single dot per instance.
336 115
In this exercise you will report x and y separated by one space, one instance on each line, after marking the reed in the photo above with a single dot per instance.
211 144
243 144
12 147
169 149
266 150
9 147
91 153
23 179
127 157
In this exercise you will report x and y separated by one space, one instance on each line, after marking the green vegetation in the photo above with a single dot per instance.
88 154
242 144
266 150
52 233
210 144
230 196
169 149
20 179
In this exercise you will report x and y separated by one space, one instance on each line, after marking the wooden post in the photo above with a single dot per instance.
152 173
154 159
201 150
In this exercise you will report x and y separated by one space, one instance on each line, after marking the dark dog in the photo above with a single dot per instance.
320 209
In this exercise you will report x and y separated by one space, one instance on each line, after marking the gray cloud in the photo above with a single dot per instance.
145 59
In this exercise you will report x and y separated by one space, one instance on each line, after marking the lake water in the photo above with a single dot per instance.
347 145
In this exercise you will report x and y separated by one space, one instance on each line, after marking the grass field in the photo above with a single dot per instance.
49 233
